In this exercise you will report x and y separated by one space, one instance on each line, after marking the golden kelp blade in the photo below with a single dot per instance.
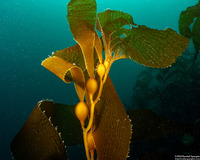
146 46
72 55
108 16
110 21
64 119
151 47
62 68
38 139
82 18
112 131
98 46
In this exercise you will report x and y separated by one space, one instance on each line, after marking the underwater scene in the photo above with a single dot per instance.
100 79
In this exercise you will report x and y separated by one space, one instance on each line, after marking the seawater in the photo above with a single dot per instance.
30 30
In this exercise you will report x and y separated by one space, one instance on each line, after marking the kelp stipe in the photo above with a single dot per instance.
107 130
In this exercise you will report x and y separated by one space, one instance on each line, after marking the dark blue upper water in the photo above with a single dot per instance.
30 30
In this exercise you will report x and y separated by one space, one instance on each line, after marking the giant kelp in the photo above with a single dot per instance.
105 124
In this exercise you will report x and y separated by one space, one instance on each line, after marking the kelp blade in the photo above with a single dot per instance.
62 69
82 18
72 55
150 47
110 21
38 139
146 46
64 119
112 131
98 47
108 16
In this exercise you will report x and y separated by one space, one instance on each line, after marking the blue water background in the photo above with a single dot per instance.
30 30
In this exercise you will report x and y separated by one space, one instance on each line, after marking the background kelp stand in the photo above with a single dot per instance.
168 99
104 127
191 17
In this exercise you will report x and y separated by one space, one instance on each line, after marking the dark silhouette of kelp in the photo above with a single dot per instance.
155 137
172 93
189 17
